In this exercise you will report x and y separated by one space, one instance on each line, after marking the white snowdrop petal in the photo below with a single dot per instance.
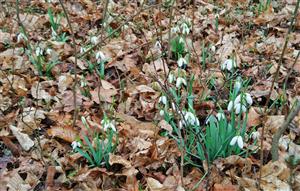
220 116
171 78
230 106
237 108
237 99
240 142
249 99
233 141
161 112
94 40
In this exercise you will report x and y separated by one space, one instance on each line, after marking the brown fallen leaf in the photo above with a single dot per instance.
67 133
24 140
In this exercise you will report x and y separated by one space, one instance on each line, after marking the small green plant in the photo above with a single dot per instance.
55 24
96 150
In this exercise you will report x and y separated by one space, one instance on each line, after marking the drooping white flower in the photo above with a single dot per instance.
38 51
181 40
248 98
21 36
171 78
100 56
161 112
94 40
163 99
157 45
189 119
239 108
237 85
181 62
228 65
180 81
220 116
255 135
82 50
230 106
49 51
237 140
173 106
237 99
185 29
75 144
175 29
107 124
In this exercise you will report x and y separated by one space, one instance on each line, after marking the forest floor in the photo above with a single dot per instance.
163 95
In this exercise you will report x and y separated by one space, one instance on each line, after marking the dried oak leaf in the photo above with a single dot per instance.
66 133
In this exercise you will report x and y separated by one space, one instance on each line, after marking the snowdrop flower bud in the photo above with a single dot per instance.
157 45
82 50
107 124
21 36
185 29
230 106
94 40
75 144
181 40
180 81
220 116
173 106
49 51
248 98
38 51
237 140
175 29
255 135
171 78
162 113
237 85
228 65
100 56
181 62
163 99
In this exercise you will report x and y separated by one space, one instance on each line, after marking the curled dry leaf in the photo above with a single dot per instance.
24 140
66 133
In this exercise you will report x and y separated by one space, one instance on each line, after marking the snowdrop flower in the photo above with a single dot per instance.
94 40
82 50
161 112
255 135
185 29
181 62
163 99
157 45
38 51
75 144
181 40
237 140
21 36
237 85
171 78
228 64
53 33
190 119
100 56
248 98
230 106
237 99
175 29
220 116
239 108
107 124
49 51
173 106
180 81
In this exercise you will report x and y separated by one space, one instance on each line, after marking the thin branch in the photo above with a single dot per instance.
272 86
281 130
75 63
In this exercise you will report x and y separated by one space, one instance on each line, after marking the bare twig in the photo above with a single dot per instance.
281 130
75 63
272 86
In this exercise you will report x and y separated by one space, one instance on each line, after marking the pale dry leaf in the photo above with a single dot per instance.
116 159
154 185
64 82
24 140
65 133
274 122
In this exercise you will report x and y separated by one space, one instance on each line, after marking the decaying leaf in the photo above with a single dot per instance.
24 140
